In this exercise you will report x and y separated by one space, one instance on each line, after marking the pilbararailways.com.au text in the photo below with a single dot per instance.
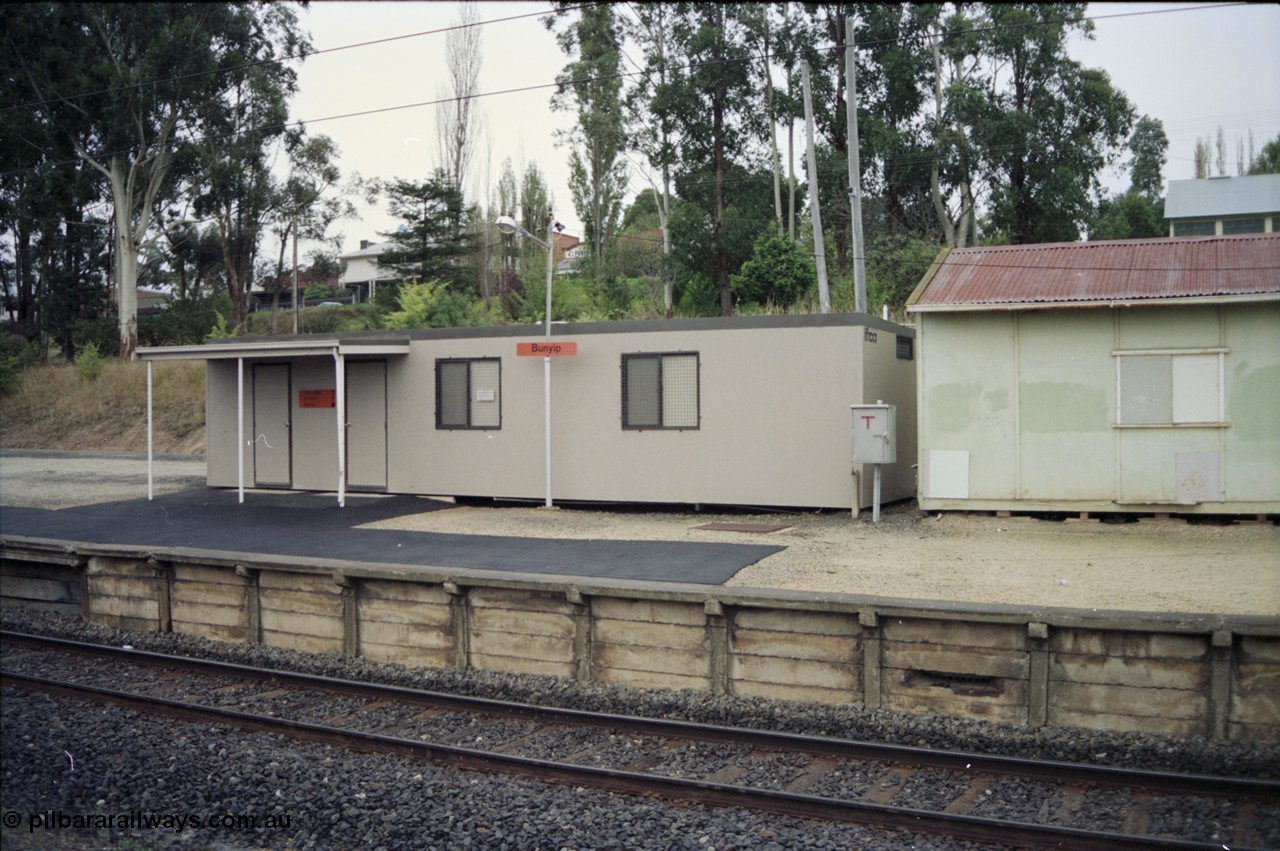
144 820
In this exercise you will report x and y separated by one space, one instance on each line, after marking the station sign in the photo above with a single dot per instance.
553 349
317 399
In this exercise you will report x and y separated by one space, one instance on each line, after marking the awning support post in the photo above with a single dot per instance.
150 441
240 423
340 392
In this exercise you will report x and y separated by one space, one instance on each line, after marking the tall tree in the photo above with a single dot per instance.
235 186
1047 125
651 126
458 120
140 79
955 161
1201 158
1138 213
591 85
1268 159
311 199
1150 147
713 100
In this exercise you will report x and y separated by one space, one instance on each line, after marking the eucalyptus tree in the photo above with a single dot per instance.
129 85
1150 147
711 93
1268 159
234 184
311 198
1046 125
651 128
894 76
1138 212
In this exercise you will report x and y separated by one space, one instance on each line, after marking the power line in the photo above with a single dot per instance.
923 157
300 56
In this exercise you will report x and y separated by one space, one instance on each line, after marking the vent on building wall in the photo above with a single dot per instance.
906 348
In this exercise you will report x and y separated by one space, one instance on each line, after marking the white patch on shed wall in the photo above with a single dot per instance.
946 474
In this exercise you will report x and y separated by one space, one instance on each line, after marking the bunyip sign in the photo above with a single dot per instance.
557 349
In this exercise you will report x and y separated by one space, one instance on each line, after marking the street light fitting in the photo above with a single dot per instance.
510 227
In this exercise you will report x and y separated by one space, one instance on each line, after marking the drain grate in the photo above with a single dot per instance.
972 685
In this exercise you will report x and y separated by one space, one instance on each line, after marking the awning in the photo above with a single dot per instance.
263 349
294 347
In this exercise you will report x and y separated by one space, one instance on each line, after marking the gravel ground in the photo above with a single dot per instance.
124 762
1145 566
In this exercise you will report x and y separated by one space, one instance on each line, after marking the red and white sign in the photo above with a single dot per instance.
553 349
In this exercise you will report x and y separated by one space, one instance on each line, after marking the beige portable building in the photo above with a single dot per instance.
723 411
1126 376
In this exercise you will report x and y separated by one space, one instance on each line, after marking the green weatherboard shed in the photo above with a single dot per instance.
1135 375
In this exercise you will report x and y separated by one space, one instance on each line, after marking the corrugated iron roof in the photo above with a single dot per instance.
1099 272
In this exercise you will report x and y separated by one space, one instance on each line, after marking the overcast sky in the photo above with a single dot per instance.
1195 69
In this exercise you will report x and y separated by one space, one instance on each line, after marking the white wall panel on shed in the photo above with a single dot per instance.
1195 389
946 474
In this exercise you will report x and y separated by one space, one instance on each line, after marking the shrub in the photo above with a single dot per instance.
90 360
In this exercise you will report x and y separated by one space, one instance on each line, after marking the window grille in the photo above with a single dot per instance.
1201 228
661 391
1251 225
469 393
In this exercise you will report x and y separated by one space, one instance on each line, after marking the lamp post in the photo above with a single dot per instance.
510 227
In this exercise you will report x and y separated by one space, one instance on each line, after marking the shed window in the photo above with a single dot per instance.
1253 225
660 391
1170 388
469 393
1204 228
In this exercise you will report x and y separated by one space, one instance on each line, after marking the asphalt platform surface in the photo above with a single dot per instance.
313 525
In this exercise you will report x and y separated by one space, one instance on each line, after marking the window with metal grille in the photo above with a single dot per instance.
906 347
660 391
1201 228
469 393
1252 225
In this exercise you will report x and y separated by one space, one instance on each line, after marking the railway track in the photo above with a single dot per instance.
882 786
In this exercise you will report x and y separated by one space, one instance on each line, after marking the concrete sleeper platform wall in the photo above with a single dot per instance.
1173 675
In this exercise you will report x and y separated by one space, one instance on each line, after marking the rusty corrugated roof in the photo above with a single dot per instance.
1087 272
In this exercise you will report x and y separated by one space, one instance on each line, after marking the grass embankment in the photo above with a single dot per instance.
55 407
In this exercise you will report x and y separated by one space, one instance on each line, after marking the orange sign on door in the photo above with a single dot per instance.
554 349
317 399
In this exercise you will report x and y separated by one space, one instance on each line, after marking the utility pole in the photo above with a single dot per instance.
295 274
855 171
819 249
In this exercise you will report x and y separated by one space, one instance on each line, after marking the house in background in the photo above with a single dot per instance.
361 271
1222 206
1134 375
153 300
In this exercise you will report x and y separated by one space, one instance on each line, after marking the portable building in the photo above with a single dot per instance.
723 411
1136 375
